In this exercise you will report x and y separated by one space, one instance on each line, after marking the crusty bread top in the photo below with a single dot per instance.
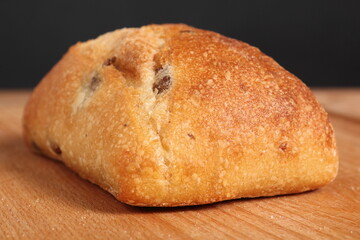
173 115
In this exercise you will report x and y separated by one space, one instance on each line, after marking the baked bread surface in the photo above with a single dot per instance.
171 115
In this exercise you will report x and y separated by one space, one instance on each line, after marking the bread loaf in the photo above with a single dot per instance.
171 115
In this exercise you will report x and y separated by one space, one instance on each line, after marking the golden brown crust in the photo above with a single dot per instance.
170 115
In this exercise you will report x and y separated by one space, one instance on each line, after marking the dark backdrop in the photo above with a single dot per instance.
317 40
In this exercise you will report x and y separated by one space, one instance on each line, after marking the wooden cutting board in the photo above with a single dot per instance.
42 199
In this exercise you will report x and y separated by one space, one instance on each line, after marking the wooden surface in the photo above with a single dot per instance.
42 199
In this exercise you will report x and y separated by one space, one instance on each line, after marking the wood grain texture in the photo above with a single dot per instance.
42 199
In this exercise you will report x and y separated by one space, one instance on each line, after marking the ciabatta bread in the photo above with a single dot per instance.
170 115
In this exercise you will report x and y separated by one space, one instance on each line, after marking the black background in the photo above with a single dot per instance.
316 40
